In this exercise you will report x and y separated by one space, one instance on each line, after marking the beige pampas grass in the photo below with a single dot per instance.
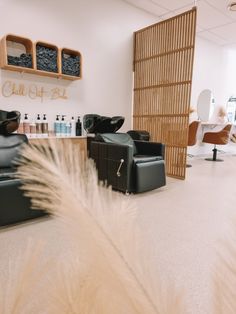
22 277
225 278
108 276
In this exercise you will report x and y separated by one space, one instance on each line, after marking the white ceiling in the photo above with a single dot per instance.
214 21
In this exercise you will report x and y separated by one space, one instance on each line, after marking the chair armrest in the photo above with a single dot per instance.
10 146
150 148
15 207
7 173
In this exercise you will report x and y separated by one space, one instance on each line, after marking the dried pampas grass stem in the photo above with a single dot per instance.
109 274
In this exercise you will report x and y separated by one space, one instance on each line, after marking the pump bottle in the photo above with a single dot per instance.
72 122
57 130
45 126
26 125
21 127
68 128
63 126
32 128
78 130
38 126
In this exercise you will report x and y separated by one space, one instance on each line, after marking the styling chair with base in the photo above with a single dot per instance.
217 138
128 166
192 136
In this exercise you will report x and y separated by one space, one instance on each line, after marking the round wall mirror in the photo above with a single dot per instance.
205 105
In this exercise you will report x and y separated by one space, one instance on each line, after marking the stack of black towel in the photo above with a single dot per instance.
71 65
25 60
46 59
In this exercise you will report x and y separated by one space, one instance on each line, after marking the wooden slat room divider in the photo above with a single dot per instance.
163 63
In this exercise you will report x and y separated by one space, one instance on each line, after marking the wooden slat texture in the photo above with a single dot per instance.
163 67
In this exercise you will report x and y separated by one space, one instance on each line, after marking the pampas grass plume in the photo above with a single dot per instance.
107 277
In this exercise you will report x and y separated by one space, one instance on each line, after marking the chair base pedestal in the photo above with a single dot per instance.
212 159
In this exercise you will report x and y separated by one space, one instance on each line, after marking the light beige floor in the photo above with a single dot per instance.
182 223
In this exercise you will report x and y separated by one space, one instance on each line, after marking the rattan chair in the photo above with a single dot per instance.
217 138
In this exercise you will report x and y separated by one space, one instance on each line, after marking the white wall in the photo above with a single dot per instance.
208 70
101 30
214 69
229 86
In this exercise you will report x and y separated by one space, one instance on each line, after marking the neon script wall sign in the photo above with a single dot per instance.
32 91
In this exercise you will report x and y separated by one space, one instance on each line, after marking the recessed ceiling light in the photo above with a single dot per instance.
232 6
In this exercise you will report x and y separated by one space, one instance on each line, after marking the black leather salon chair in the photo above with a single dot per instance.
127 165
9 121
14 206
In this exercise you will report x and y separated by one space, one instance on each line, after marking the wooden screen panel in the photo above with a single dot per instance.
163 63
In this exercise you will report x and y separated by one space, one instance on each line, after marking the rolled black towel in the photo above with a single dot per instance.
25 60
46 59
71 65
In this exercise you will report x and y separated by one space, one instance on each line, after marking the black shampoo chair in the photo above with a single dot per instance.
127 165
94 123
14 206
9 121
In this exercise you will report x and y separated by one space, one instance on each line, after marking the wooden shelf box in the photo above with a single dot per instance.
16 53
39 58
46 58
70 64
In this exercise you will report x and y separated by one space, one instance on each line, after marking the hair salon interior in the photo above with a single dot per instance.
141 95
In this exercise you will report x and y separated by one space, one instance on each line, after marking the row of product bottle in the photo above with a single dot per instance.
34 128
63 127
39 127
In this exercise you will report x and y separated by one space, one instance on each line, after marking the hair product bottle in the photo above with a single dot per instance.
26 125
63 126
78 130
38 126
21 127
45 126
57 127
32 128
68 128
72 130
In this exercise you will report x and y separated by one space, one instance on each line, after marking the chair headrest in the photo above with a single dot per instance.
116 138
94 123
9 121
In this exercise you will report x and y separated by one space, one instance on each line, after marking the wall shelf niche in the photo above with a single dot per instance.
14 46
70 61
20 54
46 59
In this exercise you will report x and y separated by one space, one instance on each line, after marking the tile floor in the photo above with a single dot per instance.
181 223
